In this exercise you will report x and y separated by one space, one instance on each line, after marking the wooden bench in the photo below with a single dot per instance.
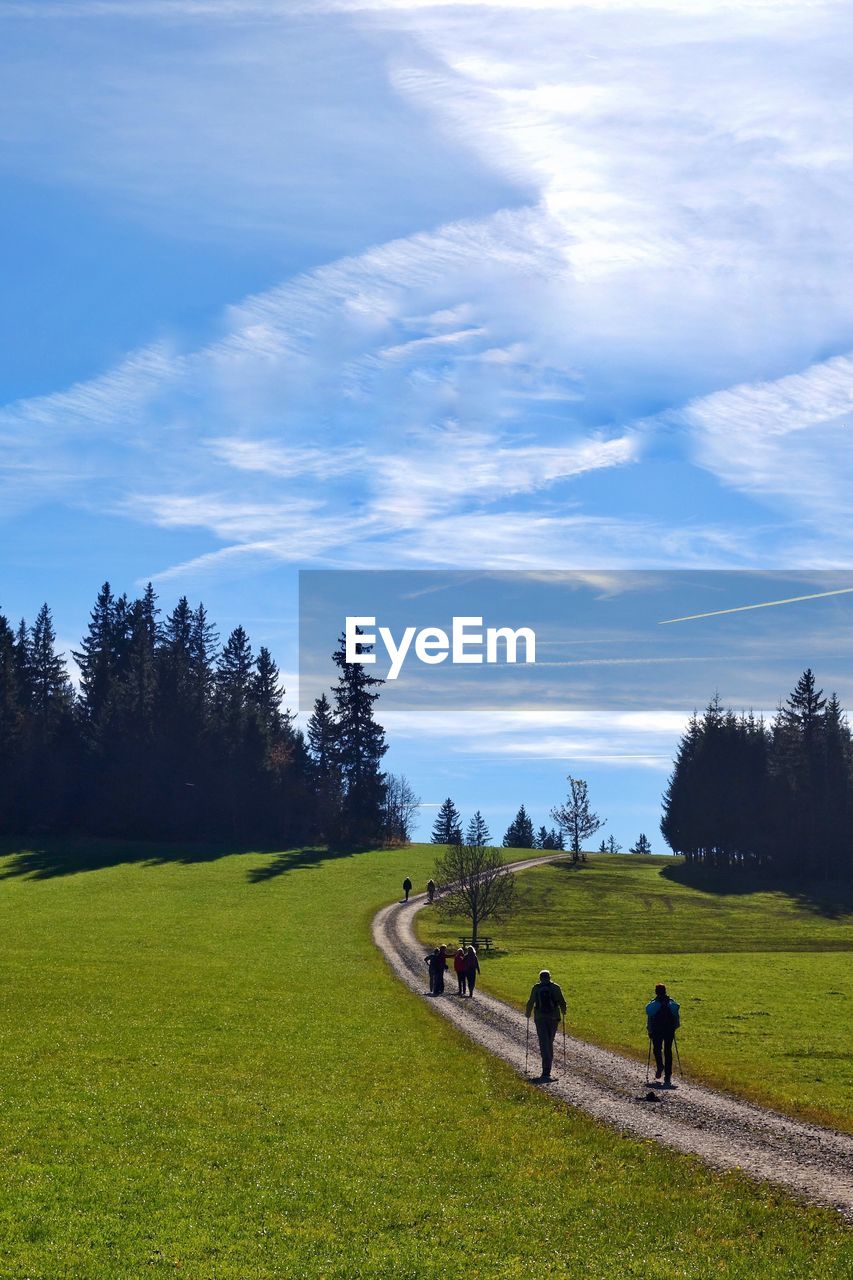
481 942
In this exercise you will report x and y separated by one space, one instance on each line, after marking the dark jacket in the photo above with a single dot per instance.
545 1008
662 1026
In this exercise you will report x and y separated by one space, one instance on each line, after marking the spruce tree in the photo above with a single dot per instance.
477 833
11 726
360 748
519 833
447 828
323 771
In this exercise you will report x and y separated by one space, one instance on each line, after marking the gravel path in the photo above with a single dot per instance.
814 1164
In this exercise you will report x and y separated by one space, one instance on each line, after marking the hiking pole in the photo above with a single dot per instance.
678 1057
564 1046
649 1060
526 1046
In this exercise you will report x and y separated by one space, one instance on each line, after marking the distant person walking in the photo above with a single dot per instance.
459 970
548 1005
430 890
432 961
440 970
662 1021
472 968
407 888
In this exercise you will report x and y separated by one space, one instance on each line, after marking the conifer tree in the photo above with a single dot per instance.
447 828
477 833
360 747
519 833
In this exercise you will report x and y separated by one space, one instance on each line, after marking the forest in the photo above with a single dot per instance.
174 735
777 796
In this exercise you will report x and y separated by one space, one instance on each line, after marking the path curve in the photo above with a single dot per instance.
813 1163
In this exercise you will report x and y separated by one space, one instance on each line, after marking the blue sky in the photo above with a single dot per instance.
360 285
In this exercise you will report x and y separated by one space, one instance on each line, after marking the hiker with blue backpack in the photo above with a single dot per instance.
548 1005
662 1021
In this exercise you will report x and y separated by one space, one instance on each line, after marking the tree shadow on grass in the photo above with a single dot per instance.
833 900
295 859
568 866
46 858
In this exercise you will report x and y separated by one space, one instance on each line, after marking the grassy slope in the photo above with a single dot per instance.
208 1072
763 978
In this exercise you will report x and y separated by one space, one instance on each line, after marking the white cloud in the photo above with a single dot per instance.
788 441
436 399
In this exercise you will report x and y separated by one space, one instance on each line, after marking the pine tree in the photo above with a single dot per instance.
233 676
51 796
519 834
51 694
643 845
359 749
477 833
97 657
11 725
447 828
324 773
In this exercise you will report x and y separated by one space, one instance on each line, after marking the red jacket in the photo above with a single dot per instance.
459 962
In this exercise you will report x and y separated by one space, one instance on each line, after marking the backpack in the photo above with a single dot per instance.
546 1001
663 1020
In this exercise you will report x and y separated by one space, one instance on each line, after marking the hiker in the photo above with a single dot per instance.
662 1022
472 968
430 890
547 1004
459 970
440 970
432 966
407 888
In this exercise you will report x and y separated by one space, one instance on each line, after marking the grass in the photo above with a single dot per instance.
763 978
208 1072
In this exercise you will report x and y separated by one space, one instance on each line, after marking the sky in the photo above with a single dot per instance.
508 286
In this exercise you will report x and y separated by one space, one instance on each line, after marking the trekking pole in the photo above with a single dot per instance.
526 1046
649 1060
564 1046
678 1057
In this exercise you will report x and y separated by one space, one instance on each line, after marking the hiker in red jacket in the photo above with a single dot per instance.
459 970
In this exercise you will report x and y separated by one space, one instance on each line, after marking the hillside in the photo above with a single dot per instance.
209 1072
763 977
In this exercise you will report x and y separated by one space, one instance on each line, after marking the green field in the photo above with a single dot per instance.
764 979
208 1072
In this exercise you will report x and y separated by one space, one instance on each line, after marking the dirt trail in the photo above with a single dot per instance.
814 1164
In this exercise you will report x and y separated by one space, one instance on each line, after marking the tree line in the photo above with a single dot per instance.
777 796
574 818
174 735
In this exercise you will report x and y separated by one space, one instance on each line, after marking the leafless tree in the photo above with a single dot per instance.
474 882
575 817
400 809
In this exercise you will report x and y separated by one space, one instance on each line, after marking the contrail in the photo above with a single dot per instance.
765 604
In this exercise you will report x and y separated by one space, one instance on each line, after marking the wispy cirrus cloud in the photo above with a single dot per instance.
461 394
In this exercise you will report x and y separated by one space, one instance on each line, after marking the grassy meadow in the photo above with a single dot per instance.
763 978
208 1072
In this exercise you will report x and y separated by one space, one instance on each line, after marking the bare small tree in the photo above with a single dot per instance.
399 809
575 817
475 883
